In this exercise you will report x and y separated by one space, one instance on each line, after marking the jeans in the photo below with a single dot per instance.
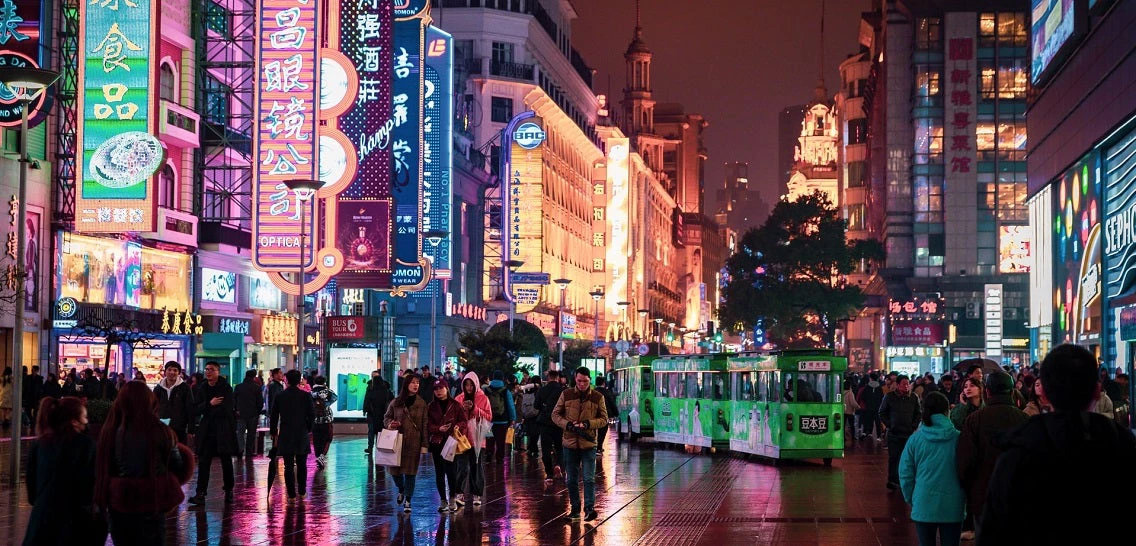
128 529
552 452
471 473
404 483
948 533
601 435
248 426
444 471
895 444
374 425
204 466
573 459
296 473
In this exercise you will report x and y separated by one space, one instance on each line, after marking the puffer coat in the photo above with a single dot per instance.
575 406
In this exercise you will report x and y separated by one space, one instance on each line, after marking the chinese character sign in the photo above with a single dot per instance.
19 47
406 148
525 210
960 143
115 102
287 99
437 129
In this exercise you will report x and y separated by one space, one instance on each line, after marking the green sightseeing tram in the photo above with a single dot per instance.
634 388
692 404
788 405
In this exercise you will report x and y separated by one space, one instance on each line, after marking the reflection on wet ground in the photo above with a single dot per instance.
649 495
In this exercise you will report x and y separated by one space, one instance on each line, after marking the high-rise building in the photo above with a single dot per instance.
789 122
815 154
740 206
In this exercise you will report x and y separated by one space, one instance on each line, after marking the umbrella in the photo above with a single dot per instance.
988 366
272 468
478 432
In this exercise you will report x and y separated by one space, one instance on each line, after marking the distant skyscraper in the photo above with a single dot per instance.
815 152
743 208
788 131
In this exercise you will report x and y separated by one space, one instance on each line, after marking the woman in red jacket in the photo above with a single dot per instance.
443 416
471 476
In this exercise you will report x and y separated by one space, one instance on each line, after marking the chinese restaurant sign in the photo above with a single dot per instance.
287 95
118 154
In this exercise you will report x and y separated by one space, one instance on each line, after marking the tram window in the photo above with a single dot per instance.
719 386
762 388
693 387
647 379
774 384
675 385
814 387
743 388
661 387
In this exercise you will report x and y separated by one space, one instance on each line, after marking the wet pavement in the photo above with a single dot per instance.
651 495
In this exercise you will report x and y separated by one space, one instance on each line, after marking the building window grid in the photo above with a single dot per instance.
928 33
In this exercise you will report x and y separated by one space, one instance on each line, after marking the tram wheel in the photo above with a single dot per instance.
828 461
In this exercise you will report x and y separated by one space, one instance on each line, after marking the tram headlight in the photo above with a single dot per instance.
789 421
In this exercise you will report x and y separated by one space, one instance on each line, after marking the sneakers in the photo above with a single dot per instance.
444 507
477 500
459 499
321 461
556 472
453 505
592 515
967 535
400 499
406 507
197 499
228 497
574 515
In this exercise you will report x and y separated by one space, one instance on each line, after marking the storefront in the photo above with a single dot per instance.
223 342
916 340
274 342
914 361
1118 245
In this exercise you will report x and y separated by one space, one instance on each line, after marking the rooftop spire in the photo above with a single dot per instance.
821 91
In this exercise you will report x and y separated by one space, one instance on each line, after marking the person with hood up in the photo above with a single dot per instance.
322 431
1048 486
927 476
471 465
504 415
175 400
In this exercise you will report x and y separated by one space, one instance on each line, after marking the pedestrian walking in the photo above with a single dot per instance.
6 397
375 402
293 416
1048 486
851 411
274 387
504 415
612 411
580 412
869 399
33 391
140 468
175 400
407 414
51 388
216 436
928 479
471 464
900 412
60 478
250 400
551 446
980 444
529 415
322 429
443 416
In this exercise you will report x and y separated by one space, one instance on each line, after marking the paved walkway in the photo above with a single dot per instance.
651 495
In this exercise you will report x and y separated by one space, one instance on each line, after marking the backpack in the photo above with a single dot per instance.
528 405
497 403
321 406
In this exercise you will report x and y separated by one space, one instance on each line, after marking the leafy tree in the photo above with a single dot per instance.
790 274
575 352
529 338
486 352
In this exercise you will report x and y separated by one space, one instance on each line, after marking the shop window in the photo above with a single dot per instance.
116 272
167 83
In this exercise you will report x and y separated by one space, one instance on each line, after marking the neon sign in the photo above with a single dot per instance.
437 128
617 215
406 149
118 46
526 201
286 138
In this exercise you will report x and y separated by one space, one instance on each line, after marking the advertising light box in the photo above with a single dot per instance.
349 370
1054 23
218 286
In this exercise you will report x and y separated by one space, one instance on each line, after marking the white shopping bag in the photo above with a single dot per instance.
450 449
388 458
389 440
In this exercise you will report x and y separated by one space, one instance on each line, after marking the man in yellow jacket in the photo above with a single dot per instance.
581 412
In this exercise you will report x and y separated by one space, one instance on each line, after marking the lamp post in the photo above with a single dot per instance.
563 284
513 265
659 335
643 315
623 317
27 84
434 301
671 333
305 190
597 295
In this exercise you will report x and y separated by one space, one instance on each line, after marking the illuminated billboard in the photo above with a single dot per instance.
1054 23
618 151
1120 217
286 135
1077 253
437 146
406 150
117 150
526 207
1014 244
19 47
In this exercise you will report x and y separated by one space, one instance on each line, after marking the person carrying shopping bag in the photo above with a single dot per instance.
928 479
471 466
407 414
444 416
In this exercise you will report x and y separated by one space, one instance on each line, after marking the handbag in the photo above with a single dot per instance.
389 440
145 495
449 450
509 432
463 443
388 458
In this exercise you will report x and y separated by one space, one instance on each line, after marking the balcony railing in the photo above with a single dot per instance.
516 71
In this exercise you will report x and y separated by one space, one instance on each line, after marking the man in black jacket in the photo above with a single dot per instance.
612 410
175 400
217 434
293 416
375 402
275 386
250 400
550 435
900 413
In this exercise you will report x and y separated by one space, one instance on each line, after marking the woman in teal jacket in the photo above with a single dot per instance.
928 478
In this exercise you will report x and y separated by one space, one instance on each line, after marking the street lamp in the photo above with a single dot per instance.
513 265
623 317
27 84
659 334
563 284
305 190
434 301
597 295
643 315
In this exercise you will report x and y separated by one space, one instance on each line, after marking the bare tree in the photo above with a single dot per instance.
115 330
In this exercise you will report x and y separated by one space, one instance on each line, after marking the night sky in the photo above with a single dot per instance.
736 62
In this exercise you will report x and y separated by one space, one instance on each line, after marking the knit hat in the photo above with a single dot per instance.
1000 383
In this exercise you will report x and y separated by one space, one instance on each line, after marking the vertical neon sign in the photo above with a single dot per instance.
115 82
617 215
406 149
285 141
437 128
